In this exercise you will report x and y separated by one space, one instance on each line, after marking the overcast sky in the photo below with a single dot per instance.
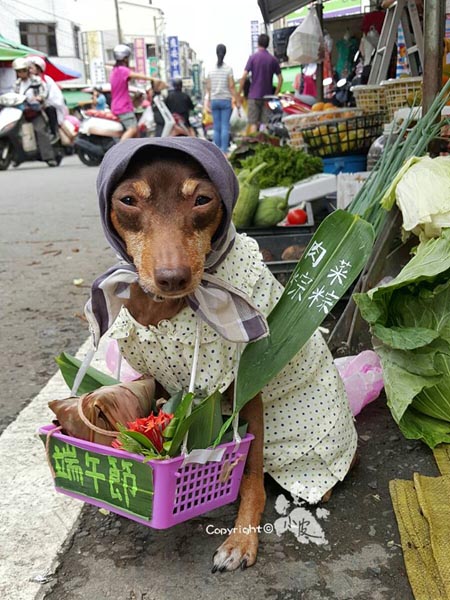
206 23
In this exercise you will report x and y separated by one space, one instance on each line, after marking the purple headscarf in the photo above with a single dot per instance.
225 308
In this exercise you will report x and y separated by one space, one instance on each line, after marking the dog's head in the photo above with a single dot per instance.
166 210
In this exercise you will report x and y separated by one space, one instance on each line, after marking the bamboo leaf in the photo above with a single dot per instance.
206 415
333 259
93 379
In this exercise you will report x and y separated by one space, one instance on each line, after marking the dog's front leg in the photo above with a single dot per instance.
240 548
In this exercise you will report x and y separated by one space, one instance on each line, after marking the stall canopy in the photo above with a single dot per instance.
272 10
10 50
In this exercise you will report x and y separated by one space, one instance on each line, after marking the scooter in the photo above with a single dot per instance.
279 107
99 131
17 137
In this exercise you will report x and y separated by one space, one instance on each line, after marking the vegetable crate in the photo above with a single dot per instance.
155 493
344 136
295 124
370 98
405 91
273 241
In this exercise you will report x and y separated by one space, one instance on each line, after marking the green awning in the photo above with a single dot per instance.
75 98
10 50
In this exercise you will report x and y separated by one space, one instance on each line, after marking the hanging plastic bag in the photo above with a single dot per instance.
127 373
363 378
306 42
238 119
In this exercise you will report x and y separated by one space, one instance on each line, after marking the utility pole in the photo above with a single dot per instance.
119 30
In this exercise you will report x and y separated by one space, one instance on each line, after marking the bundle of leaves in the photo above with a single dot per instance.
285 165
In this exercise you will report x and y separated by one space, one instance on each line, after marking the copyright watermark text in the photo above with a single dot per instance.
266 528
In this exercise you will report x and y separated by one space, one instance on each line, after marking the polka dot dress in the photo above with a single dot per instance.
309 434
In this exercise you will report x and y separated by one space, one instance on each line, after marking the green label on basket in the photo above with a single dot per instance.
122 482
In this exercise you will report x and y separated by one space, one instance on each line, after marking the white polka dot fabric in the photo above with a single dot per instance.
310 438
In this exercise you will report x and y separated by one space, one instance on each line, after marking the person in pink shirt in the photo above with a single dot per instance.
121 103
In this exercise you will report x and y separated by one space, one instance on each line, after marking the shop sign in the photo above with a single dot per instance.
174 56
254 29
196 88
331 9
140 55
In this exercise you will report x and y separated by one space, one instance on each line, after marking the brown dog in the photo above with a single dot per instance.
167 213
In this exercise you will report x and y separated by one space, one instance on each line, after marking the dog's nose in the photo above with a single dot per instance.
173 280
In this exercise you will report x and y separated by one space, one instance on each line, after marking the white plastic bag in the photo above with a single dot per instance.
305 43
238 119
363 378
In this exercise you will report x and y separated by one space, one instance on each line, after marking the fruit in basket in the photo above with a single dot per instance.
247 201
271 210
329 106
317 107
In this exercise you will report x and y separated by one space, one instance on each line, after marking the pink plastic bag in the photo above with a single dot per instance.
363 378
127 373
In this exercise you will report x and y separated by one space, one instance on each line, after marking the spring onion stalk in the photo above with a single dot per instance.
407 144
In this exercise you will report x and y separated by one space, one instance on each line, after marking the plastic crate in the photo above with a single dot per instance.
155 493
405 91
370 98
345 164
344 136
295 124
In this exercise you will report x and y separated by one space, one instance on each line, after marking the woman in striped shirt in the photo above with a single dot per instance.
221 90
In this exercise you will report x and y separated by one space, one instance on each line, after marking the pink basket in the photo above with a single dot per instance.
156 493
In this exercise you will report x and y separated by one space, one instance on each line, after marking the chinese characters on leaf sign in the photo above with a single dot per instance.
333 260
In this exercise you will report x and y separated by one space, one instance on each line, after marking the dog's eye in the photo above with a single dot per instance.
128 200
202 200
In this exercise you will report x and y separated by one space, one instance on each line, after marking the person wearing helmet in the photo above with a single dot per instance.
35 92
55 107
179 102
121 103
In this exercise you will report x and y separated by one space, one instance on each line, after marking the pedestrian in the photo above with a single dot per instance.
181 103
221 90
99 99
157 87
35 91
262 66
121 103
55 106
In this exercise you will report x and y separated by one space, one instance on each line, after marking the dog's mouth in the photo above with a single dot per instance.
168 290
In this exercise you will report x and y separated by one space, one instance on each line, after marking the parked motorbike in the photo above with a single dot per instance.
279 107
99 131
17 137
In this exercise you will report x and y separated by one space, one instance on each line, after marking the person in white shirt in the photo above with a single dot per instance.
55 107
35 92
221 91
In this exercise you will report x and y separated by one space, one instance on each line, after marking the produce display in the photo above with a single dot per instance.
409 318
297 216
285 165
343 135
248 198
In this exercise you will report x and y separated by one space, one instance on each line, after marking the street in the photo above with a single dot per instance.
52 249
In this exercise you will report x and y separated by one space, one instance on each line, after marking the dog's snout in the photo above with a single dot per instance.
173 280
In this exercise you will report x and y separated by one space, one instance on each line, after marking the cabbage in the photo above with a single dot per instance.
410 320
422 191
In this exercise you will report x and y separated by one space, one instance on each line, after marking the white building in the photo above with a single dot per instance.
81 34
49 26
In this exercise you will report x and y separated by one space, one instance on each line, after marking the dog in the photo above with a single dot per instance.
167 213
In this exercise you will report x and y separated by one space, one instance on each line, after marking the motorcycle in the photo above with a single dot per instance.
98 132
279 107
17 136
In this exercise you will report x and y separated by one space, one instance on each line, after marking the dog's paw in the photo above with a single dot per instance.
238 551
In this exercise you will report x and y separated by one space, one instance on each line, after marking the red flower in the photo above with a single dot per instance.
152 427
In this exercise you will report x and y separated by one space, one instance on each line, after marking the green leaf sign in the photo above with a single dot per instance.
120 482
333 259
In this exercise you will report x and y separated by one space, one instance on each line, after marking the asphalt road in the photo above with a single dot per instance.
50 236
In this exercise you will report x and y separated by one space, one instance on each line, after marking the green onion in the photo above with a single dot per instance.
415 143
